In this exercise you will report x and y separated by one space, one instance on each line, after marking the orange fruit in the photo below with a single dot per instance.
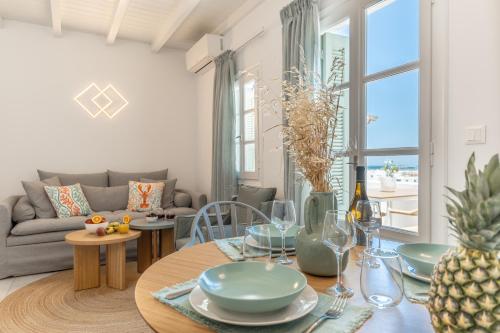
96 219
126 219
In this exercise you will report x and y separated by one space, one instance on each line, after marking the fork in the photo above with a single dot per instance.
335 311
237 247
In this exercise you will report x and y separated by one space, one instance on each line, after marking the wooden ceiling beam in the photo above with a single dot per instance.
121 9
55 9
174 20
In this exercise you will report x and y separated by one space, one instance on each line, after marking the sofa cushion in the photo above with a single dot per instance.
181 211
167 199
182 199
38 197
23 210
144 196
117 178
117 215
46 237
68 200
181 242
106 198
91 179
40 226
253 196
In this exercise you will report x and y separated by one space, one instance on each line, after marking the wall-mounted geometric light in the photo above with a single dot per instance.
95 100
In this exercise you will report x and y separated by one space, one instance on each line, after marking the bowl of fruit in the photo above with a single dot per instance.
96 222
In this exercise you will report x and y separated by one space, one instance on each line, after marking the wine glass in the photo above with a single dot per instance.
283 218
381 277
368 218
257 242
338 235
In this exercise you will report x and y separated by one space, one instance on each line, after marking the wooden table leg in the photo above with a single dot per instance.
167 242
155 245
115 266
86 267
144 251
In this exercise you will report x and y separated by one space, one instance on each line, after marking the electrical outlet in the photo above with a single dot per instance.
475 135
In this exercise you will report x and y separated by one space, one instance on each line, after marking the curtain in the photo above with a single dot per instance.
300 47
224 177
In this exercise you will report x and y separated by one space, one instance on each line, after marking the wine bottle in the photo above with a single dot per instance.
359 194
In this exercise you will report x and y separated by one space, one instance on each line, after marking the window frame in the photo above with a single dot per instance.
337 11
242 77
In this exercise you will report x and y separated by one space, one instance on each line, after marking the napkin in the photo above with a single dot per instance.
179 289
416 291
354 317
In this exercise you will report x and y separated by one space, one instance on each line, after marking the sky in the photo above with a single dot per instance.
392 40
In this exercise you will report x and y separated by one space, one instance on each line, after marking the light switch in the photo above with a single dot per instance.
475 135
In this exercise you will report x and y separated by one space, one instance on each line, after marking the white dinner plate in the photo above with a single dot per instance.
302 305
253 243
410 271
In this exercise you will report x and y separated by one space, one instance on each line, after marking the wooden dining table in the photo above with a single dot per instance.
190 263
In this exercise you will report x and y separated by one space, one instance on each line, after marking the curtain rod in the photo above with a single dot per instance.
258 34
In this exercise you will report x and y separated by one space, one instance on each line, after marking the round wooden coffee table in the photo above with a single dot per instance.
86 263
153 233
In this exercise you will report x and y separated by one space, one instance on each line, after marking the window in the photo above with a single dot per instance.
246 120
335 43
386 112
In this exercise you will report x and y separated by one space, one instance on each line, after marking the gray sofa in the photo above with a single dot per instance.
37 245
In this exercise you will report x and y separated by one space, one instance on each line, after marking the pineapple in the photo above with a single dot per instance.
465 287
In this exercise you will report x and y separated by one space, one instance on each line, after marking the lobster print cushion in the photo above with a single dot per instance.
144 196
68 200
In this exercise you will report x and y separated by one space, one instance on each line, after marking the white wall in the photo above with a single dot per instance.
41 126
204 112
474 82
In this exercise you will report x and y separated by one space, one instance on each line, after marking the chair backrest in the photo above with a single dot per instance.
204 222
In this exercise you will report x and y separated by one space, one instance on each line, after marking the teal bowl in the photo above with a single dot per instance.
422 256
260 232
252 287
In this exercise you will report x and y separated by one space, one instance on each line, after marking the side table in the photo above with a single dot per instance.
86 263
157 239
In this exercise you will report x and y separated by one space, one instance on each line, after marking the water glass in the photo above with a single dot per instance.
368 218
283 218
382 283
338 235
257 244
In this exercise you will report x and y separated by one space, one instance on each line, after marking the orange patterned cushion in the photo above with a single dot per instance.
68 200
144 196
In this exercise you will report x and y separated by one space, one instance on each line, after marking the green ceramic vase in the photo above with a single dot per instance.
313 256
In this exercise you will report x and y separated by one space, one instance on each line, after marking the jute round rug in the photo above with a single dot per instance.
50 305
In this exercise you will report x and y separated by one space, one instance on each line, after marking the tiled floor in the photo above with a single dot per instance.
10 285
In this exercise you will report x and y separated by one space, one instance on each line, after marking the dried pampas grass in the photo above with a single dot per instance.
311 109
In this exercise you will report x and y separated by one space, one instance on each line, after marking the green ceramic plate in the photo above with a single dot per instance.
259 232
422 256
252 287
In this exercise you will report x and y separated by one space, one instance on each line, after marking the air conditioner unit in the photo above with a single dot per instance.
203 52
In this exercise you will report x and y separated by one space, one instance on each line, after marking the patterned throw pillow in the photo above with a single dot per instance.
68 200
144 196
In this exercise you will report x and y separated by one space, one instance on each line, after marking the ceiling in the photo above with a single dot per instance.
170 23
